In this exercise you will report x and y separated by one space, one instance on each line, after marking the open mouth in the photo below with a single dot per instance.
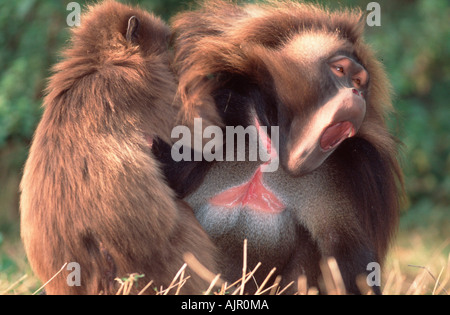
335 134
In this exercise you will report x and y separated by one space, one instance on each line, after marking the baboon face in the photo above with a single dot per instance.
321 88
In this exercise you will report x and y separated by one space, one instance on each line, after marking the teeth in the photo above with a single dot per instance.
351 132
335 143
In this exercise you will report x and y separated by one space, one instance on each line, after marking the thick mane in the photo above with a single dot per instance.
222 37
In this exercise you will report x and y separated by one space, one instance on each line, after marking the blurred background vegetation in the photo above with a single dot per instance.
413 42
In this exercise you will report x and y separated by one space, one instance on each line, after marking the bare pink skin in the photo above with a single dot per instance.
252 194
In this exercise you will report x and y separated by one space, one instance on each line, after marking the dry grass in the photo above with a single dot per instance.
395 283
430 279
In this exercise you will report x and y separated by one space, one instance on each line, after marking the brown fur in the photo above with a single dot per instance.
92 193
360 198
223 37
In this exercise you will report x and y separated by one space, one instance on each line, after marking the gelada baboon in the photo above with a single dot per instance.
92 192
309 72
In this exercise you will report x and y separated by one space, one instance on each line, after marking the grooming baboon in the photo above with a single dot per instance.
92 192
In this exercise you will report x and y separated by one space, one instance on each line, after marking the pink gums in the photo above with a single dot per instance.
252 194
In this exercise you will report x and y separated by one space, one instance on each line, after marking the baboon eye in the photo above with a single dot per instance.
340 69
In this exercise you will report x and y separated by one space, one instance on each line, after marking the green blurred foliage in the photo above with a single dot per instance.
413 42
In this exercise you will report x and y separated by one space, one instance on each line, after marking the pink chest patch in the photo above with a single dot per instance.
252 194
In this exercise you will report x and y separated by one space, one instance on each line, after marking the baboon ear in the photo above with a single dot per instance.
133 25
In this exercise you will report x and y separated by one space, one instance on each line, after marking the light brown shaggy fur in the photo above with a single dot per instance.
92 193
